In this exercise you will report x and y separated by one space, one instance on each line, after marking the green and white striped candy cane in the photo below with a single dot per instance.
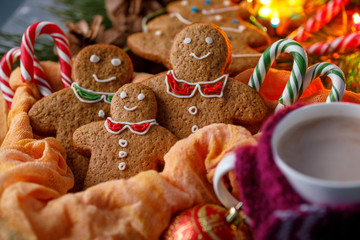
292 89
333 72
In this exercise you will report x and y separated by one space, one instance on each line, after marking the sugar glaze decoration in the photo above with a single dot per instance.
140 128
122 166
90 96
115 62
213 88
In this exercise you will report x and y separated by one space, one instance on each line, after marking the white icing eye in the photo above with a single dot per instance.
209 40
115 61
123 94
141 96
187 40
94 58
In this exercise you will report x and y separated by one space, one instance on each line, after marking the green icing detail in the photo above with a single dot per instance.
109 97
87 95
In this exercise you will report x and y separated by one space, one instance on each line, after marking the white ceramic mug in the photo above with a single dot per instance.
312 189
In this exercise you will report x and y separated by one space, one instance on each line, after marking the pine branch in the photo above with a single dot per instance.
77 10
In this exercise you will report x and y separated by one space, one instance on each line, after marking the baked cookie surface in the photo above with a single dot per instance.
245 38
128 142
197 92
98 71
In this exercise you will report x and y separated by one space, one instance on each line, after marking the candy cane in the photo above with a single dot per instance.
5 70
40 79
321 18
6 64
292 89
351 40
27 50
334 73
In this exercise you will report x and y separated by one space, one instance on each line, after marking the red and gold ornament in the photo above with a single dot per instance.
206 222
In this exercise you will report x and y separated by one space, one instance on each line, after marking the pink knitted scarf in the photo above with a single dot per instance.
276 210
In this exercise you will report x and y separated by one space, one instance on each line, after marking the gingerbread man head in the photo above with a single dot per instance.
133 102
200 57
102 68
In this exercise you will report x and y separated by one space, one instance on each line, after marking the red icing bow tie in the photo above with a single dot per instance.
118 126
206 89
185 90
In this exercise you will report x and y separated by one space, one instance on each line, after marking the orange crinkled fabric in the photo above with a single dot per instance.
34 180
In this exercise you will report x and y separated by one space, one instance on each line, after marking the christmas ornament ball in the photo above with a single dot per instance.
205 222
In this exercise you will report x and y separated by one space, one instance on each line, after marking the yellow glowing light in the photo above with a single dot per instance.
284 8
249 1
265 2
264 11
356 18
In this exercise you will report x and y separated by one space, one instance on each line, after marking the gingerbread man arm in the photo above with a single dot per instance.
44 114
84 138
245 103
165 139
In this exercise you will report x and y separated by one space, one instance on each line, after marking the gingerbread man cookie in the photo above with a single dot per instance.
197 92
128 142
98 72
246 39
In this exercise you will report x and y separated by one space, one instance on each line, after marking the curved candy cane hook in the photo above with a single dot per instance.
6 64
27 50
293 87
334 73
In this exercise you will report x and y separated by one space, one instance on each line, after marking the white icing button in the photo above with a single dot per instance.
193 110
218 17
94 58
184 3
226 3
116 61
123 94
158 32
141 96
122 166
187 40
123 142
101 114
122 154
194 128
209 40
241 28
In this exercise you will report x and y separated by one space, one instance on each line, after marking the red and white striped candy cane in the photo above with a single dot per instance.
349 41
321 18
40 79
5 70
27 50
6 64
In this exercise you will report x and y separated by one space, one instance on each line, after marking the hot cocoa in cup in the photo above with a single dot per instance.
317 148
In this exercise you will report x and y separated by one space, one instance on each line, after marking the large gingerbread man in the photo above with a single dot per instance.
128 142
98 72
196 92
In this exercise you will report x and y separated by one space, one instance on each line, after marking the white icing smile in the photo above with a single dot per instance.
103 80
130 109
199 58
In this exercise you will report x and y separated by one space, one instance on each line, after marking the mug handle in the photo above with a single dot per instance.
226 164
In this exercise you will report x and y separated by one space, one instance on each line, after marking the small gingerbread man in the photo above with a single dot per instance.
98 72
197 92
128 142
